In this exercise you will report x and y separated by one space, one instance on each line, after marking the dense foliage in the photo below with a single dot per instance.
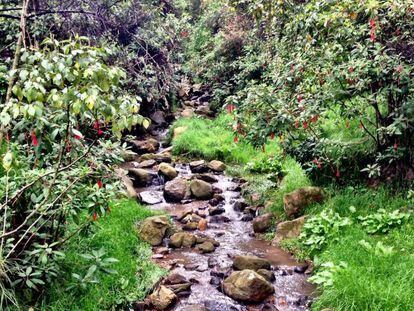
332 81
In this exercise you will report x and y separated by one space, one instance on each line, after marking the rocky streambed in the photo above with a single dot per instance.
215 259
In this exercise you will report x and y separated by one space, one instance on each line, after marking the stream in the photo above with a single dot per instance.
235 236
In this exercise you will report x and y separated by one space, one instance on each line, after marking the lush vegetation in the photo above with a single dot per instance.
301 70
306 93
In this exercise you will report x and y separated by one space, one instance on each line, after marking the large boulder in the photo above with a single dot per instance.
142 177
296 201
242 262
210 178
248 286
167 170
145 146
206 247
288 229
162 298
147 163
262 223
152 229
217 166
176 190
182 239
201 189
128 155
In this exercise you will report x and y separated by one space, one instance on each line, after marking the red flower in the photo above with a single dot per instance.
315 118
94 216
96 125
100 132
77 137
372 23
300 98
272 136
230 108
399 69
34 139
395 146
351 69
184 34
305 125
100 184
373 26
337 174
296 124
236 139
318 164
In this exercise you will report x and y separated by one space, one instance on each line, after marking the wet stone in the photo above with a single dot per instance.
216 210
268 275
191 226
206 247
191 266
239 206
247 218
212 262
219 219
215 281
212 305
300 269
150 197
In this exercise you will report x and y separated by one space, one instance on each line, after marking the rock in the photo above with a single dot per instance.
176 190
188 210
128 155
162 250
147 163
191 266
202 225
158 157
262 223
210 178
202 239
215 281
216 211
288 229
142 177
127 183
242 262
212 262
187 113
247 285
198 166
267 274
175 278
191 218
239 206
191 226
182 239
150 197
300 269
162 298
179 288
217 166
201 189
203 110
247 217
158 117
178 131
296 201
145 146
167 170
206 247
152 229
219 219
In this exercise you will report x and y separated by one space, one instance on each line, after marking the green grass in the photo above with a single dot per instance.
372 280
135 272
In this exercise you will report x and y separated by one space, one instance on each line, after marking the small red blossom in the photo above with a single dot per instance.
184 34
395 146
96 125
100 184
77 137
296 124
34 139
318 164
305 125
372 23
314 118
236 139
351 69
272 136
230 108
94 216
338 173
100 132
373 26
300 98
399 68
